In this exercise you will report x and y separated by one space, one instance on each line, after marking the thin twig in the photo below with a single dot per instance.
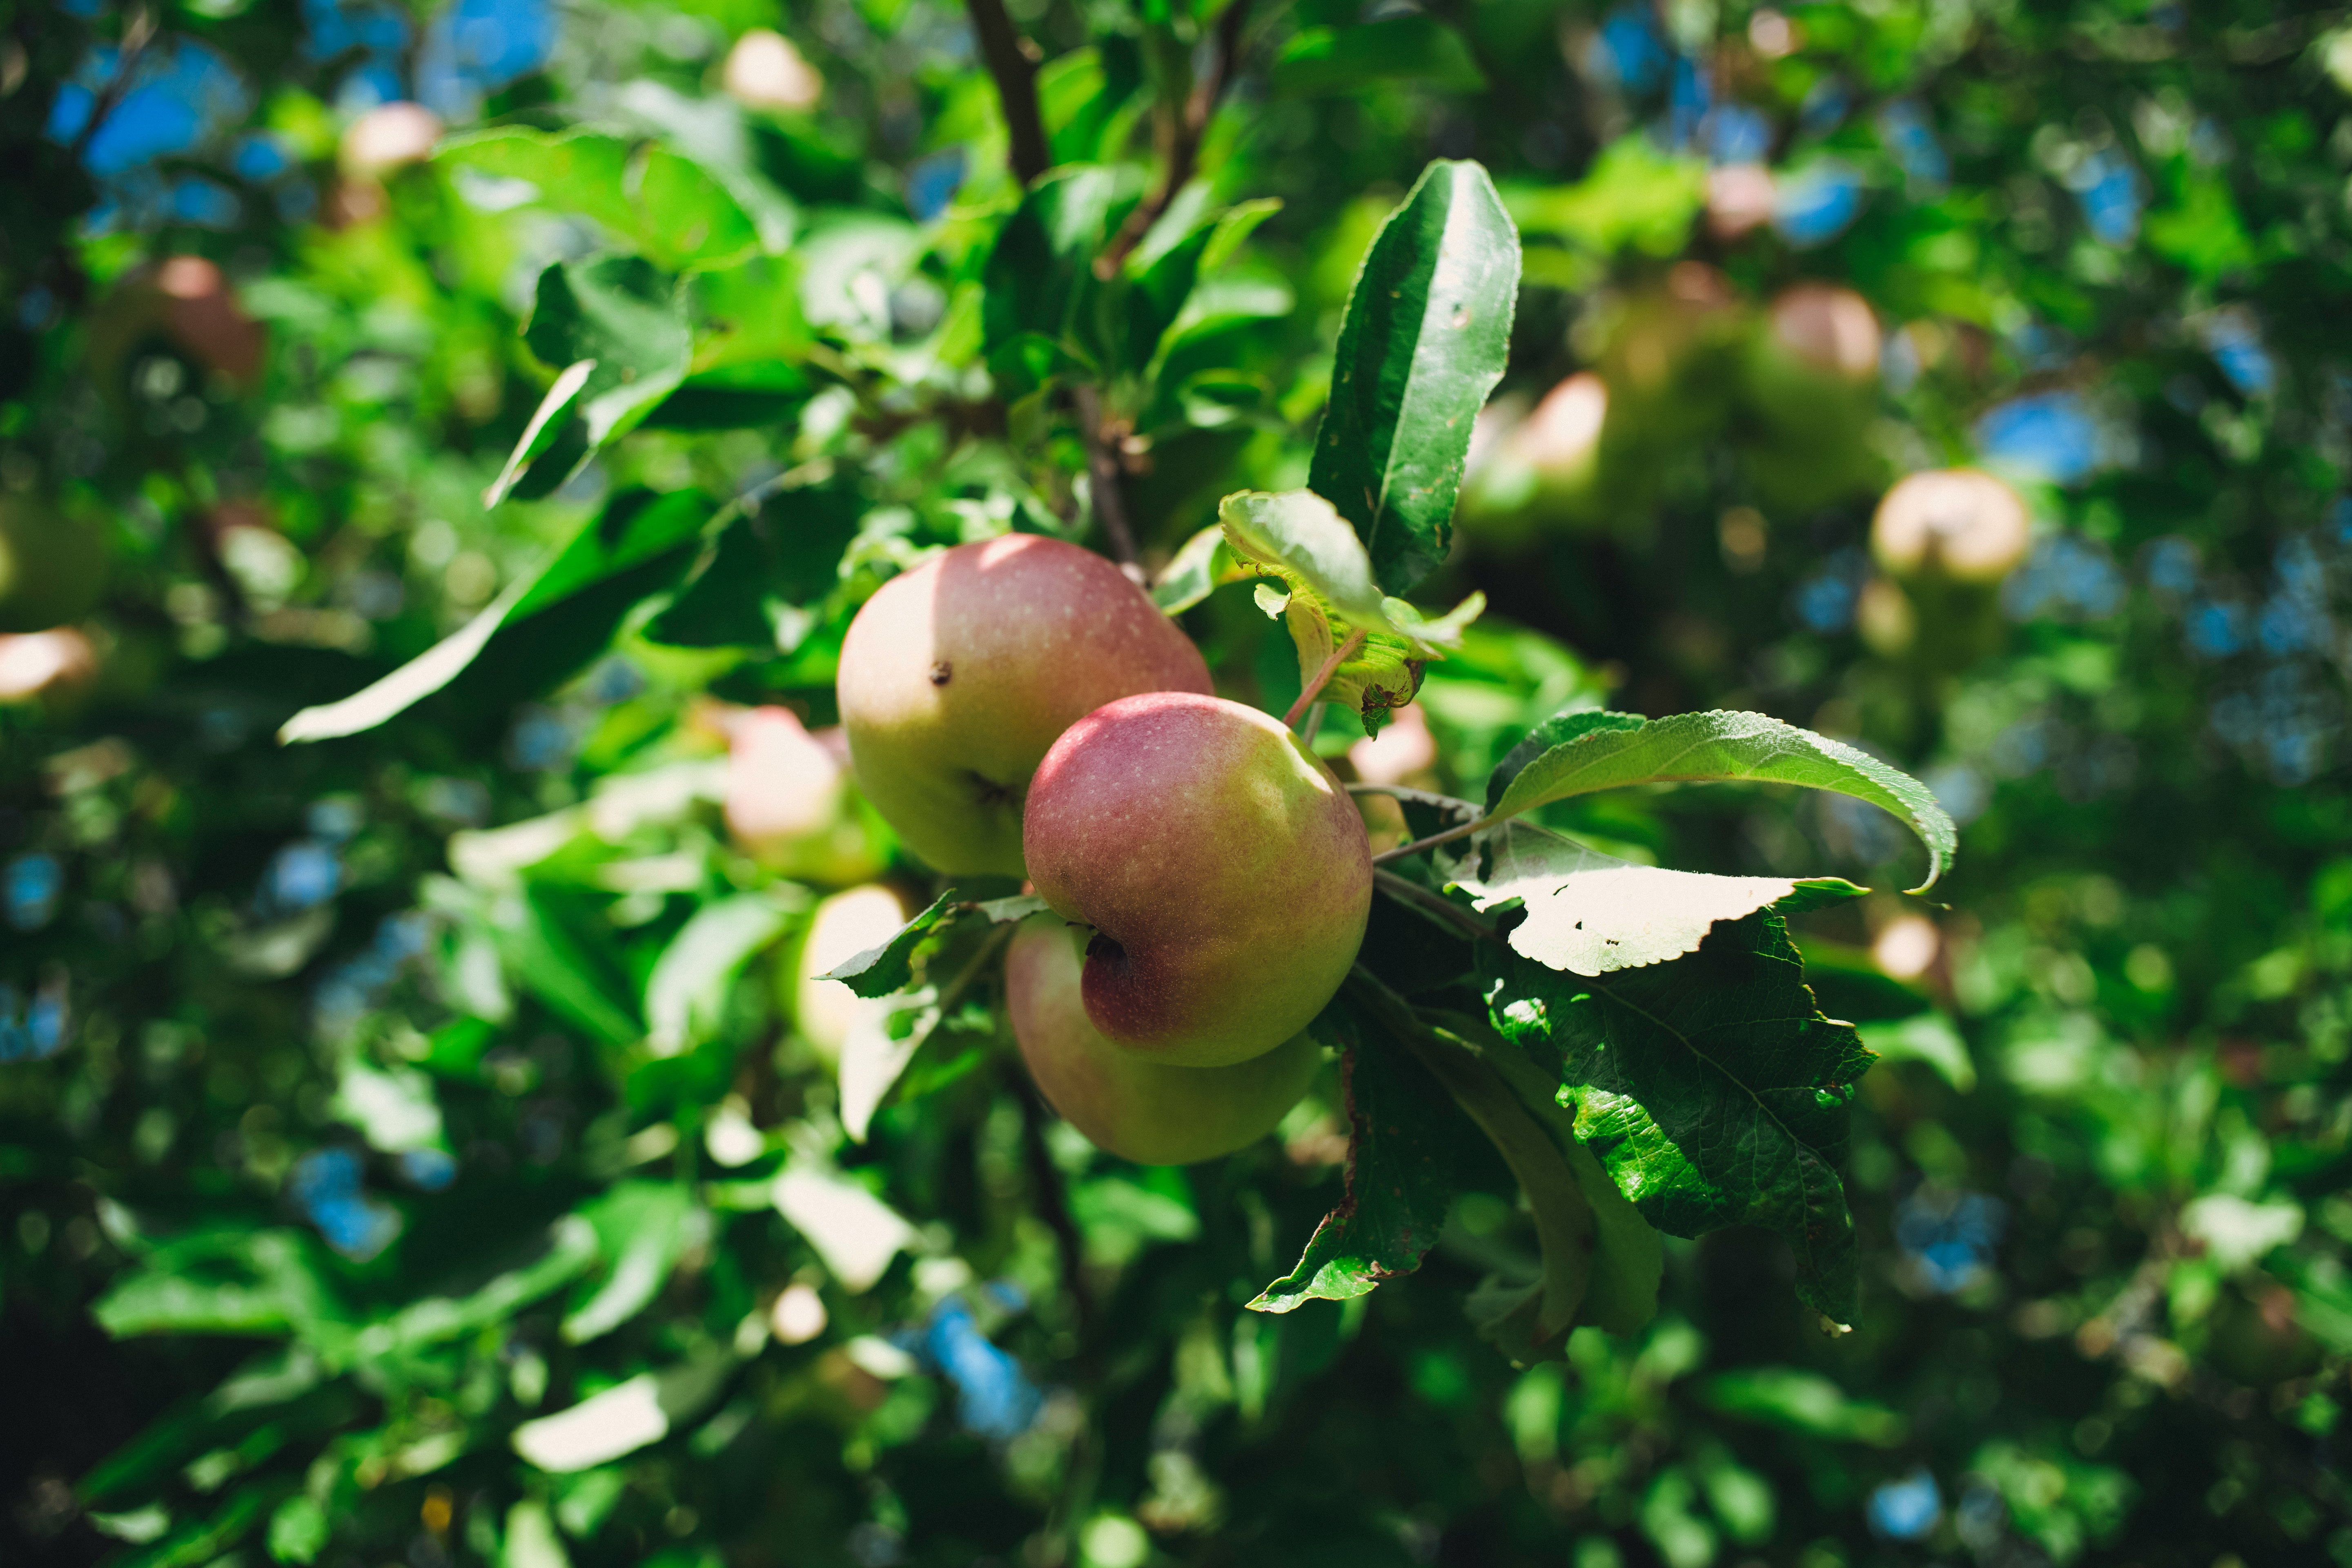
1461 831
1339 656
1011 60
1181 142
1435 905
1104 479
1052 1203
136 32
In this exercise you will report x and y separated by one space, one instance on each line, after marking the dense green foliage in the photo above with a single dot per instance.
420 1137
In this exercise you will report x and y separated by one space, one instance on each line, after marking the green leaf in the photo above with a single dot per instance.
685 995
622 1418
1709 1086
1408 1152
1931 1037
1802 1401
1426 336
1589 913
541 951
1040 276
639 546
626 315
251 1282
206 1540
1299 538
663 205
298 1531
642 1227
1636 196
1577 754
547 422
566 1251
1338 59
1195 573
879 971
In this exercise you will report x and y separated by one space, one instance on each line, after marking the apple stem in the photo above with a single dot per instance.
1313 722
1339 656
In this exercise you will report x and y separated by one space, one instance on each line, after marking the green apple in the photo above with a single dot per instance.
1809 381
1948 537
52 568
956 678
1225 873
1668 355
1143 1111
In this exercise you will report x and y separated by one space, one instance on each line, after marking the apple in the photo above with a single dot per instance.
1961 524
789 804
1948 537
956 678
764 71
1668 355
1525 464
52 567
388 137
186 302
1147 1111
1810 384
1225 873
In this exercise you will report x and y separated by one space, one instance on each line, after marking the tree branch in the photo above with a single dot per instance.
1181 142
1012 61
1432 842
1105 478
137 29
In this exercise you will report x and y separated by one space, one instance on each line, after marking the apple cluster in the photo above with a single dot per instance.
1018 707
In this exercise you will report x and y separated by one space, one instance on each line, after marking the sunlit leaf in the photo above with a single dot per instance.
1427 332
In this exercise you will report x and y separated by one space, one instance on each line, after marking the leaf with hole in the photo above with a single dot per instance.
1709 1086
1589 913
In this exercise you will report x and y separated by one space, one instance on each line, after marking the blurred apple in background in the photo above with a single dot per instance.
763 71
1945 541
789 804
1810 386
1667 355
35 663
389 136
185 304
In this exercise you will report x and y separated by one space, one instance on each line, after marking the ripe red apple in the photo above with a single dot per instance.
956 678
1147 1111
1224 870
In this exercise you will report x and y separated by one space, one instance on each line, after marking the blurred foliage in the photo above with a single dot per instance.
422 1145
